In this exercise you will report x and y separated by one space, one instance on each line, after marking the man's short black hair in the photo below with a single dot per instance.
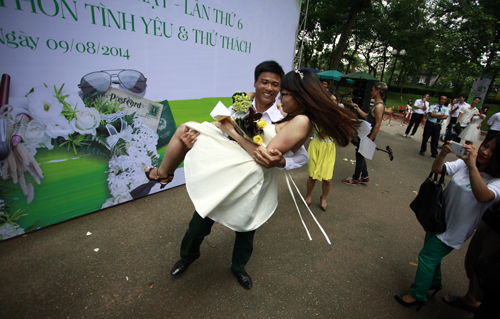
269 66
477 97
463 95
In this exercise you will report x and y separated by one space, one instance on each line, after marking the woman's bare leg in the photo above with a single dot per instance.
174 155
310 187
326 185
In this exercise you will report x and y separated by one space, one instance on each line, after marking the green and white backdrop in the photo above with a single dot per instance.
75 155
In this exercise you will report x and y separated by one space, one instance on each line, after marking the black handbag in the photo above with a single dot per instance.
428 206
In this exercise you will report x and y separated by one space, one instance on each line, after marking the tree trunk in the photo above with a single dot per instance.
351 58
488 66
384 63
402 76
341 46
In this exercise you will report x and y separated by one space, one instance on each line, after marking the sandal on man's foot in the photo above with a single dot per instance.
159 179
457 302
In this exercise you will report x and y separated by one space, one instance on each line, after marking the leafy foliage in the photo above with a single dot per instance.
457 39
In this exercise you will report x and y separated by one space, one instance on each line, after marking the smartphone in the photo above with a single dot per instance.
457 148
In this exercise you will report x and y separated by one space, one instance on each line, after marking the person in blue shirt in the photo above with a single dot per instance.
436 114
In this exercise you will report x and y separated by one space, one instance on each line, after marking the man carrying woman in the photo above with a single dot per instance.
224 179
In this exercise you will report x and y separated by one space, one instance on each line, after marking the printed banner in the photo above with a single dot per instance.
86 85
479 89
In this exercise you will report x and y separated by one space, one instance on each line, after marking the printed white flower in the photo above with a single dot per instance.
32 147
74 100
7 231
87 120
34 133
43 105
122 199
17 106
108 203
119 186
131 166
59 126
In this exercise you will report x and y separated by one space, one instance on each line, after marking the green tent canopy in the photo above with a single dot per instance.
359 76
333 75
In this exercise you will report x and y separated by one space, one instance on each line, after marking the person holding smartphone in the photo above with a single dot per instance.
474 187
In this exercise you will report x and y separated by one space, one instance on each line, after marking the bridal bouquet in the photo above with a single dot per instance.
246 120
250 126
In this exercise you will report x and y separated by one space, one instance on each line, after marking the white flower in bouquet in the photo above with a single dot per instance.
122 199
127 171
119 185
138 179
18 105
86 121
74 100
123 162
59 126
34 133
43 105
7 231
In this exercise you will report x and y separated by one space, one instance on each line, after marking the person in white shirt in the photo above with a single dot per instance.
408 112
223 182
493 125
474 187
465 116
455 108
268 76
420 108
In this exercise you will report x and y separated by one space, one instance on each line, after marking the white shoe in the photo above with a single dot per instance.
411 136
405 135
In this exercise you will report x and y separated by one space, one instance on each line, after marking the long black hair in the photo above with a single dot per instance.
331 120
493 168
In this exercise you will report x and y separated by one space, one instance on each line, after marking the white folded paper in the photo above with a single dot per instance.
364 129
367 147
220 109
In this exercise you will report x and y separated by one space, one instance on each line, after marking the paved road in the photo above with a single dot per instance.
55 272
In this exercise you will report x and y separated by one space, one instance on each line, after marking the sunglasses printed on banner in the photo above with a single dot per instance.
100 81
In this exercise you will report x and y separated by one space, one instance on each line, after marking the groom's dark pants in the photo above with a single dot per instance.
200 227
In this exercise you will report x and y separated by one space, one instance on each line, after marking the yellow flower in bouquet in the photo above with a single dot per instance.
261 124
257 139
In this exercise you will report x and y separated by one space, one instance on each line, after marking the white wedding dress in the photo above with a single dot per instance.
224 182
471 133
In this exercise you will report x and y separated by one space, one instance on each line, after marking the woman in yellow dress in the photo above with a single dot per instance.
320 167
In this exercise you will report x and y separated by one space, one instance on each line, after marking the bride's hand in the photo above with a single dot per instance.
227 127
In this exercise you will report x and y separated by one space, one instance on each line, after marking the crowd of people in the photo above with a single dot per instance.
247 197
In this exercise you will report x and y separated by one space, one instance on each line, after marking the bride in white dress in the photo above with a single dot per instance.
472 132
222 178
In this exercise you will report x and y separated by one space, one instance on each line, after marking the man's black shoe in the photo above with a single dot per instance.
422 153
244 280
179 267
435 156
